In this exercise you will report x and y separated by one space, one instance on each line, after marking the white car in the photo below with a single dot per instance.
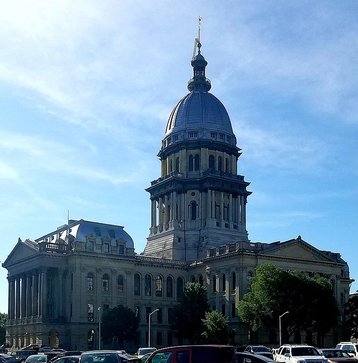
299 353
349 347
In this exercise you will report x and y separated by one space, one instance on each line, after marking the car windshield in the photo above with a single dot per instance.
301 351
260 349
146 350
335 354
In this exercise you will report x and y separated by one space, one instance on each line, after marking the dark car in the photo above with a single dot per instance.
259 349
68 359
22 354
338 355
7 358
245 357
107 356
194 354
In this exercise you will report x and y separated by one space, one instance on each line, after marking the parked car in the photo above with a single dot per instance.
349 347
194 354
37 358
142 351
259 349
245 357
299 353
68 359
338 356
22 354
7 358
107 356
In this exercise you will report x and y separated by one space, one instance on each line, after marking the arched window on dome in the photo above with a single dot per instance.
227 165
211 162
148 285
191 163
220 163
193 207
196 162
137 284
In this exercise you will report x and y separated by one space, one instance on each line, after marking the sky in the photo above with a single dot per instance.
87 86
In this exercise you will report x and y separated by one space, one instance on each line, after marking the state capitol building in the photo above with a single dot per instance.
59 283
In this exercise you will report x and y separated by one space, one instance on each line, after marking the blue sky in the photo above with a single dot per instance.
86 88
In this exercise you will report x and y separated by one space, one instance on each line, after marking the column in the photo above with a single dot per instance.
222 208
17 297
209 215
28 296
11 298
230 211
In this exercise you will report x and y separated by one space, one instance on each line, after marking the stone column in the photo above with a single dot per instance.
28 310
11 298
222 207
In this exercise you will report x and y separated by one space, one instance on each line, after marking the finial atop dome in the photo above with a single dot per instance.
199 82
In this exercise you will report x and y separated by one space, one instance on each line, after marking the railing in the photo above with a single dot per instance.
54 247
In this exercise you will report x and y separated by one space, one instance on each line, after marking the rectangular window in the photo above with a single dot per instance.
105 248
121 249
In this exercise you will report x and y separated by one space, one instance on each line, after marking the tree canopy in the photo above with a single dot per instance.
310 301
351 312
119 325
188 314
216 329
3 319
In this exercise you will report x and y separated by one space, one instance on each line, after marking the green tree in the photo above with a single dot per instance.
310 302
216 329
119 325
187 315
351 312
3 319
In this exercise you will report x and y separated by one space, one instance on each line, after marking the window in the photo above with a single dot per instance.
193 210
196 162
220 163
89 246
148 285
169 286
121 249
191 163
233 310
177 164
90 315
214 283
201 280
180 287
137 285
160 316
223 309
105 248
105 282
90 281
223 282
233 281
159 286
120 283
227 165
211 162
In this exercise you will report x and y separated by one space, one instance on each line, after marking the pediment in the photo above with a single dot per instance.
22 251
297 248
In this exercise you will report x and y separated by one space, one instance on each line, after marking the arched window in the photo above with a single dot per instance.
170 165
191 163
90 281
177 164
159 286
137 285
220 163
214 283
227 165
193 210
105 282
169 286
120 283
148 285
193 278
211 162
180 287
196 162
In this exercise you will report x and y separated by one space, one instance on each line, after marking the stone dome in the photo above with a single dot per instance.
199 115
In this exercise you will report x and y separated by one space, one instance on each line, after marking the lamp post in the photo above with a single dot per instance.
279 326
99 328
150 315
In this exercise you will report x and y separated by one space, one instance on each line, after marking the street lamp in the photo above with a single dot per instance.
279 325
150 315
99 328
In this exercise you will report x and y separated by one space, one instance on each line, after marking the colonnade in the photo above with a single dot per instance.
212 204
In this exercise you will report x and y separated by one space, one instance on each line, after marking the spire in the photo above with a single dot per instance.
199 82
